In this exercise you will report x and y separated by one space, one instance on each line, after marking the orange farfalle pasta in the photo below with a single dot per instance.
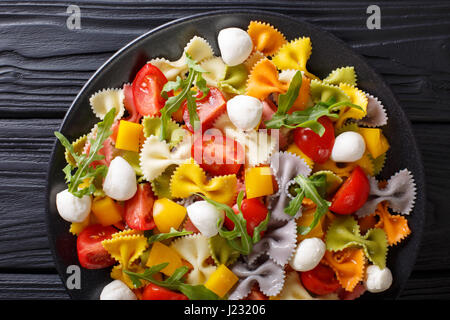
266 38
263 80
395 226
348 264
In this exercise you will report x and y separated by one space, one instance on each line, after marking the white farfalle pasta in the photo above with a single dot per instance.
195 250
376 114
104 100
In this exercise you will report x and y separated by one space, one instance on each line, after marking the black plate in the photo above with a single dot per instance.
168 41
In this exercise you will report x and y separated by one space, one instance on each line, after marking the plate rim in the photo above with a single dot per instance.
419 176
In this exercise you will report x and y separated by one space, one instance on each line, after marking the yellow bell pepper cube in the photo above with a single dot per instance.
376 142
221 280
129 135
294 149
168 214
258 182
160 253
106 210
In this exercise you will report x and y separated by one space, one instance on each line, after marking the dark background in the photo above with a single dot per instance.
43 65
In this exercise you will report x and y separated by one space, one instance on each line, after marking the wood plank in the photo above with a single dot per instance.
31 286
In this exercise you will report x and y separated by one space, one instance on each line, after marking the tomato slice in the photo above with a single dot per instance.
147 87
318 148
91 253
256 294
254 212
353 193
208 109
321 280
128 102
139 209
218 154
154 292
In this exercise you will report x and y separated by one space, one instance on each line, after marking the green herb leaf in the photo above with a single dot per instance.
174 282
171 234
84 170
286 100
309 188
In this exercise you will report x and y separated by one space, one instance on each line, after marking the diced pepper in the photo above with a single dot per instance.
294 149
128 136
376 142
221 280
258 182
107 211
160 253
168 214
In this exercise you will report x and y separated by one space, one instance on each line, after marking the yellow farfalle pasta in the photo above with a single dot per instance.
195 250
189 178
356 97
294 55
266 38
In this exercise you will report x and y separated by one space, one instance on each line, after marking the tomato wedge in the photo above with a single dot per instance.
147 87
318 148
91 253
256 294
218 155
154 292
254 212
321 280
353 193
139 209
208 109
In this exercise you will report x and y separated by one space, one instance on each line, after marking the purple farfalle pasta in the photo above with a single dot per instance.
376 114
264 271
279 242
285 166
400 193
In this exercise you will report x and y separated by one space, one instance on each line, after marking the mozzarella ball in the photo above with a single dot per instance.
205 217
377 280
348 147
71 208
308 254
120 182
244 111
235 45
117 290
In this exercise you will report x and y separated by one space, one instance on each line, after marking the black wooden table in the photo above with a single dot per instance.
45 59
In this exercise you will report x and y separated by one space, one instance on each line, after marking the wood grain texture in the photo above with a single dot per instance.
43 65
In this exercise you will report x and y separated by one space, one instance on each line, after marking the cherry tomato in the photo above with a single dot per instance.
254 212
208 109
154 292
320 280
318 148
91 253
147 88
218 155
128 101
353 193
139 209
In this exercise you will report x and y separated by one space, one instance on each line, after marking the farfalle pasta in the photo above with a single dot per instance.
237 174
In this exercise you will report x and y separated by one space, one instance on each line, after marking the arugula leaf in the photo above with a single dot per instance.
83 169
308 118
163 236
314 189
238 238
185 85
174 282
286 100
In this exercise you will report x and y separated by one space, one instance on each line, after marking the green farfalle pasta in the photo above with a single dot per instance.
321 91
78 146
344 232
235 79
333 181
161 184
341 75
352 126
378 163
152 126
221 252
